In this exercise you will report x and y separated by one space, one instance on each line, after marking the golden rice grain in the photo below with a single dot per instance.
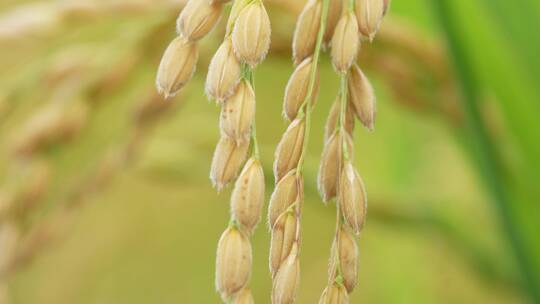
286 193
297 89
233 262
283 238
251 34
223 73
369 14
362 97
228 160
345 43
352 198
331 164
348 258
198 18
238 113
287 279
305 34
177 66
247 198
289 149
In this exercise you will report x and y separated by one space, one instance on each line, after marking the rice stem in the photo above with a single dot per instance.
342 112
249 75
307 104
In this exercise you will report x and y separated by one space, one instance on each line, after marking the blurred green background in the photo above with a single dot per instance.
104 190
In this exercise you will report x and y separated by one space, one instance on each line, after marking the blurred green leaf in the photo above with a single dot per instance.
516 94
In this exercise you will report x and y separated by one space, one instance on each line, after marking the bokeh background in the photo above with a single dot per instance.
104 190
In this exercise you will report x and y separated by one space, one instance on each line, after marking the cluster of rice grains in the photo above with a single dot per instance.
340 25
230 83
337 176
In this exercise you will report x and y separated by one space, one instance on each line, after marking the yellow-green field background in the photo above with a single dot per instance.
433 233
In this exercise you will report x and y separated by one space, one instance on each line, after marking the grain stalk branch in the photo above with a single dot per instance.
337 176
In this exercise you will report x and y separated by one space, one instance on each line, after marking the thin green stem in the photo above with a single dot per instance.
484 149
248 75
233 223
254 143
342 100
339 280
337 240
342 114
306 107
351 5
340 128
